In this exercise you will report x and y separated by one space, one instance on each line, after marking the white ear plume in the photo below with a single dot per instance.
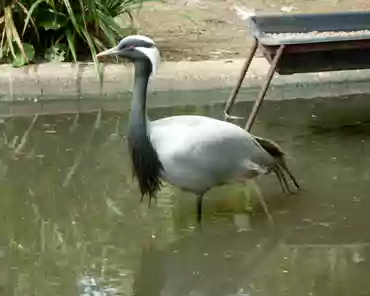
153 55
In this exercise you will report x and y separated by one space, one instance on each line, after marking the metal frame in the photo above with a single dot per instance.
257 105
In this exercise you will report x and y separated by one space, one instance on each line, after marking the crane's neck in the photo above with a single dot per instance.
138 105
145 161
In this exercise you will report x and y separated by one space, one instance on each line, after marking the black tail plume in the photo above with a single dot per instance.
280 167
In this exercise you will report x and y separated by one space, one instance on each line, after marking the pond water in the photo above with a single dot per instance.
72 222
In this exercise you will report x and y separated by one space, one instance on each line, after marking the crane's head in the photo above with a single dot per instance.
135 48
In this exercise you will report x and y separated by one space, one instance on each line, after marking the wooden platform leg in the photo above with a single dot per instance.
262 93
235 91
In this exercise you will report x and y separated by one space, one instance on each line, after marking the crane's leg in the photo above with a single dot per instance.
262 201
199 207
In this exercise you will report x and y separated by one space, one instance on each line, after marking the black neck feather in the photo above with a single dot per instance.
145 161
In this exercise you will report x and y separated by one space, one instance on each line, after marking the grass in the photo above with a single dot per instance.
62 30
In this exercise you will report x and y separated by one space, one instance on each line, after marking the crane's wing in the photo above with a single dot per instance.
204 151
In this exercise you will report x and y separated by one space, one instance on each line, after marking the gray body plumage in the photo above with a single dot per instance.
199 152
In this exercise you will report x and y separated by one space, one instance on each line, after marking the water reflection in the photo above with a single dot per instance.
72 223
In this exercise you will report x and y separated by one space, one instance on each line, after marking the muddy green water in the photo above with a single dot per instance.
72 223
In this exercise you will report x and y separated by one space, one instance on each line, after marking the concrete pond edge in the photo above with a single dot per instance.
66 80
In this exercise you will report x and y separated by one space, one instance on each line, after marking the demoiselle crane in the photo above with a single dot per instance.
194 153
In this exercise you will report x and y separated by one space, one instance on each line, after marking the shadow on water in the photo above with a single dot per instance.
72 223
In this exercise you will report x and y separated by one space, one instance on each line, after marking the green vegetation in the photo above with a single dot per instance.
61 30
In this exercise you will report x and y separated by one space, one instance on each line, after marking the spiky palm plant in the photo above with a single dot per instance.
59 30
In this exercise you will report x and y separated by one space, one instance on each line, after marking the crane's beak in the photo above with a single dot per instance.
108 52
151 53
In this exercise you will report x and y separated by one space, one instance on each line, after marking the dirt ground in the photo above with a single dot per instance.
213 29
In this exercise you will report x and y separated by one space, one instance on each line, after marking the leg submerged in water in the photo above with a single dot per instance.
261 199
199 208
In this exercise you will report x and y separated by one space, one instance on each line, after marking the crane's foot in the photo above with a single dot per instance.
231 117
